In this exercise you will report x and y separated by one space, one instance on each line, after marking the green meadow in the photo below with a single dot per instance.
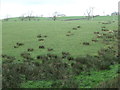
56 31
63 35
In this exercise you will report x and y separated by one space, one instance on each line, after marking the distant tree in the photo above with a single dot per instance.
55 14
114 14
96 15
89 13
54 18
29 16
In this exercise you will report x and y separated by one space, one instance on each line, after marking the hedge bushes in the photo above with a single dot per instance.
54 69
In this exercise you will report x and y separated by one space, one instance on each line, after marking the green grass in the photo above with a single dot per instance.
26 32
39 84
98 18
96 77
86 80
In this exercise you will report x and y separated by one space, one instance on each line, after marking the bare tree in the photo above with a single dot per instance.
55 14
54 18
89 13
29 16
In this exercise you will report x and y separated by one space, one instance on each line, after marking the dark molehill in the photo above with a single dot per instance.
96 32
86 43
30 49
15 46
40 39
4 55
45 36
105 29
39 36
78 26
74 28
19 44
42 57
42 47
95 40
50 49
105 23
67 35
104 34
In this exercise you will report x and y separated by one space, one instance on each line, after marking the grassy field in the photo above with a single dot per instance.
60 36
27 31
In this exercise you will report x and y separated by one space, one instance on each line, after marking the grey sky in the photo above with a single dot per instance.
14 8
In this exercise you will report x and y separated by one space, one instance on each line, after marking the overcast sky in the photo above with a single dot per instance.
15 8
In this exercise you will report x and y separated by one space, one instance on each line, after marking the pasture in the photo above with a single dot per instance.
66 52
56 31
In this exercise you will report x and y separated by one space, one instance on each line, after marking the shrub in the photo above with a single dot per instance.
11 76
54 68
